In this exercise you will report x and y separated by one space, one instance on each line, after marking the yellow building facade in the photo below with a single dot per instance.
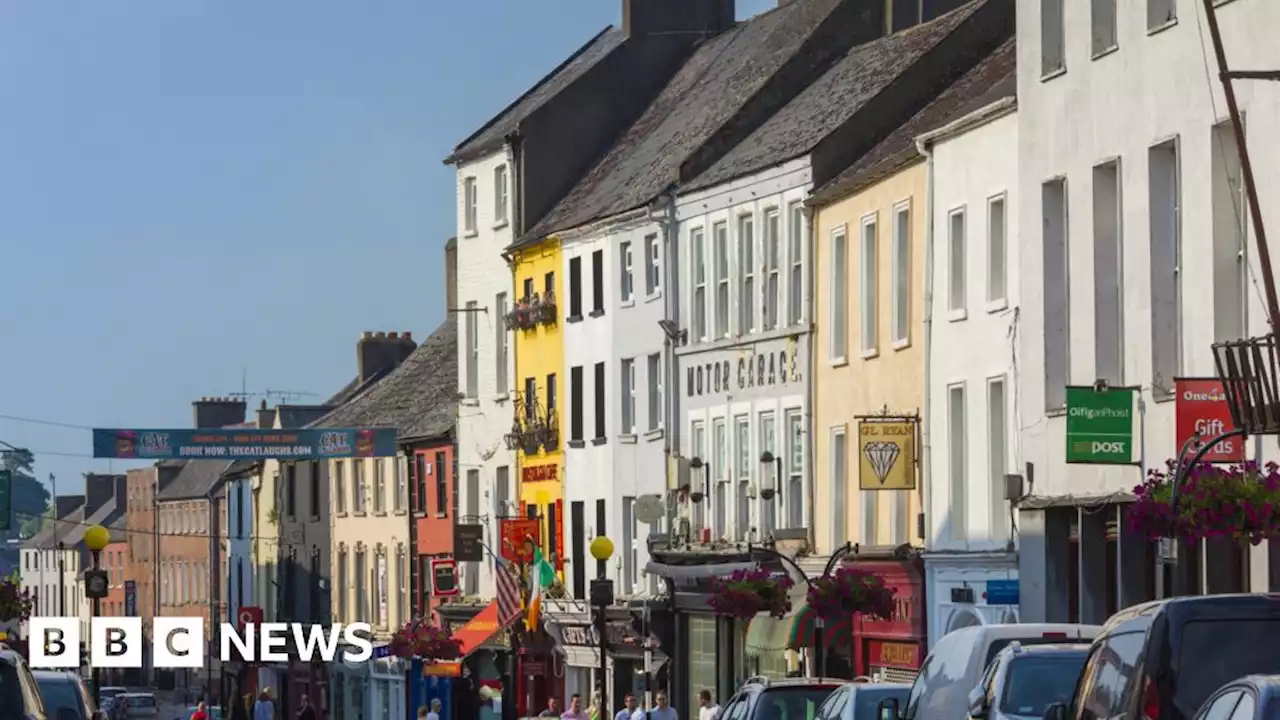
868 347
539 363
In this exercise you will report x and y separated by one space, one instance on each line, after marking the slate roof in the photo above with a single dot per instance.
419 398
831 100
70 508
194 480
992 79
494 133
300 416
714 85
119 529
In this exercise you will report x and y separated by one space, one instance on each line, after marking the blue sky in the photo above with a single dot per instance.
194 191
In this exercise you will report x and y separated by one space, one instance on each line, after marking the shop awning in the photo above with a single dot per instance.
479 629
767 634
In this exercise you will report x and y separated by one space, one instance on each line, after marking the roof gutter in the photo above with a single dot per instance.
979 117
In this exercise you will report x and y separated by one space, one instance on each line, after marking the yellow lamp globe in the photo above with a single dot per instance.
97 538
602 548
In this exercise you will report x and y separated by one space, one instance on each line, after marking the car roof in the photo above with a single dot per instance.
763 682
1079 648
53 675
1194 607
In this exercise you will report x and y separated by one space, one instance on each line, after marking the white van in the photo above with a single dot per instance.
955 665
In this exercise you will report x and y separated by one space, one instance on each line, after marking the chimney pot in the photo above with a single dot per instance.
406 335
366 335
381 335
393 335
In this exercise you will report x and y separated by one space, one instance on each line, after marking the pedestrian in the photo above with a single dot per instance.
201 713
663 711
264 709
630 709
553 708
306 712
437 707
707 708
575 711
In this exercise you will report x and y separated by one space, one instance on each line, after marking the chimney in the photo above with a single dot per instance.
100 489
266 416
450 274
649 17
381 352
217 412
65 504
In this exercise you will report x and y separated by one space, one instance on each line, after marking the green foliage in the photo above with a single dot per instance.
30 498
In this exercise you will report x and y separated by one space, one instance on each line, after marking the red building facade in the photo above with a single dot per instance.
894 649
433 500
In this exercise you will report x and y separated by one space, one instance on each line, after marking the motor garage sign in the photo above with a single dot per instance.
1201 410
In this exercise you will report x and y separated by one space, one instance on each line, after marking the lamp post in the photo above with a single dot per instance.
602 598
96 540
770 483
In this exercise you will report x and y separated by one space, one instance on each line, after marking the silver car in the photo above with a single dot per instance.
1022 681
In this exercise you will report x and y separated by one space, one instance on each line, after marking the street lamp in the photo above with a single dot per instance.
96 540
770 484
602 598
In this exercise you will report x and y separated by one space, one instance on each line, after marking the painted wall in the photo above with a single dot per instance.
433 474
539 352
849 381
377 534
115 560
239 583
265 544
483 276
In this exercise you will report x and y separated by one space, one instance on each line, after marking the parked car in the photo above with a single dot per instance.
761 698
110 691
19 694
1163 659
957 663
1025 680
142 706
65 696
1256 697
860 700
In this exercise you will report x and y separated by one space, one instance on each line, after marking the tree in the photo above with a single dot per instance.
30 499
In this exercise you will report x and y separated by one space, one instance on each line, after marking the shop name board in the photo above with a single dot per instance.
753 370
584 635
540 473
1201 411
1100 425
895 654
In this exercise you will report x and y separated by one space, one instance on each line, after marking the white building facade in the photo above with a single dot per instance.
239 552
973 175
1133 261
485 360
56 585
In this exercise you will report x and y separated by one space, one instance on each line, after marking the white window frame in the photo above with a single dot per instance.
767 436
628 396
654 370
900 283
719 455
957 282
469 199
720 263
1155 22
838 484
1053 34
796 256
472 389
653 258
997 467
745 233
958 465
793 495
838 297
997 253
500 184
743 461
1103 17
869 285
502 383
698 268
771 244
698 444
627 284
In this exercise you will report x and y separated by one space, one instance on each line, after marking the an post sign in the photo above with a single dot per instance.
245 444
1100 425
1201 410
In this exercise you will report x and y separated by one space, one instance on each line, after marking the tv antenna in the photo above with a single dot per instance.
284 397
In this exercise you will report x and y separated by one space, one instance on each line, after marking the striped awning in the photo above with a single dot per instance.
767 634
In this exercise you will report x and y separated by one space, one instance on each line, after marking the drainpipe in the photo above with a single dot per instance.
926 494
812 420
671 303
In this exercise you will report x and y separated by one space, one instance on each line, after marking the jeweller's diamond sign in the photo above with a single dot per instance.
887 454
1100 423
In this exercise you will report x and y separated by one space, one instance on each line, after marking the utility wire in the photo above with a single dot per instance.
149 533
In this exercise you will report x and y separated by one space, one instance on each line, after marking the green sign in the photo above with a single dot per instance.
1100 425
6 496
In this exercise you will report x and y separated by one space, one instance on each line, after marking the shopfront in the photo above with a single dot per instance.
369 690
577 640
971 589
892 650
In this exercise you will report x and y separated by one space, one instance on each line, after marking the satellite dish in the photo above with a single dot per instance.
649 509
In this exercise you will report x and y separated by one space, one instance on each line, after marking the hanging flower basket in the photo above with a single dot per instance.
1239 501
746 593
16 603
427 641
850 591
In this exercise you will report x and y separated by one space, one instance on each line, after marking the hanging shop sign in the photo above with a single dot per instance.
520 537
444 578
245 444
1100 425
1201 409
468 542
887 453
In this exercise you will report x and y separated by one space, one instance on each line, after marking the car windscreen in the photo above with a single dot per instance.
1215 652
866 700
60 694
791 703
1032 684
1001 643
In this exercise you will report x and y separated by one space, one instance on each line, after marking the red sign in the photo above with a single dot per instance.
520 536
559 535
540 473
894 654
248 615
1201 408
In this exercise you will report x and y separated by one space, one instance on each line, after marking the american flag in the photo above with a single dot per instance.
509 606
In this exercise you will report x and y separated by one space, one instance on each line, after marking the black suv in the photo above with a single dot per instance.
760 698
1161 660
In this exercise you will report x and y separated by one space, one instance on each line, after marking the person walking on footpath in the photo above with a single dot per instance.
575 711
306 712
201 713
630 709
264 709
663 710
553 709
707 708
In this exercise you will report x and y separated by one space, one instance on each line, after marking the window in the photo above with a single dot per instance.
699 284
772 260
839 301
1102 18
1166 262
339 487
501 492
1230 215
551 398
315 493
379 486
500 195
698 436
956 271
1161 13
747 269
344 583
652 265
794 498
549 286
1108 266
628 542
469 204
742 448
627 281
357 486
528 290
575 288
291 489
901 274
380 604
402 583
442 485
719 454
473 349
629 396
795 255
870 517
997 251
997 439
1053 50
720 236
361 578
575 408
597 282
500 345
870 290
600 388
402 484
420 483
530 400
1057 318
655 391
956 460
768 443
240 509
839 486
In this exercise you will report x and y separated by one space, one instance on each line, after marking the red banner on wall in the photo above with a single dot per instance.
1201 408
519 538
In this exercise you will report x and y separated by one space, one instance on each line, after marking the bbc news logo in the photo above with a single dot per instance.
179 642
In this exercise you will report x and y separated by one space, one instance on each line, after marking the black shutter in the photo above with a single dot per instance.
601 386
602 566
597 281
575 411
576 512
575 288
549 541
